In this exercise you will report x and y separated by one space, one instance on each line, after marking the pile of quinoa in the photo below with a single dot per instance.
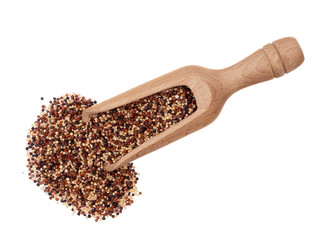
67 157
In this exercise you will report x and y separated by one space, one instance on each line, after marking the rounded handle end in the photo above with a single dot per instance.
284 55
290 53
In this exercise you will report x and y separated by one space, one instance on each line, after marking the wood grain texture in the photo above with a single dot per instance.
211 89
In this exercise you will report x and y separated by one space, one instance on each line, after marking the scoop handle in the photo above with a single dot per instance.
272 61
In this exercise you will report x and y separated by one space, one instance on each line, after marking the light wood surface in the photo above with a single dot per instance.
211 89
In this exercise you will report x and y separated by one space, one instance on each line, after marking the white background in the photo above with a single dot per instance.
252 174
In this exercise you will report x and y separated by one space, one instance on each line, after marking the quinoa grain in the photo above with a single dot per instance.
67 157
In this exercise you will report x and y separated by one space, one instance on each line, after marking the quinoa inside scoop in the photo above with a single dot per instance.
67 157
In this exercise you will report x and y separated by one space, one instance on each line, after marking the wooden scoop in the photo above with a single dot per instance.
211 89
